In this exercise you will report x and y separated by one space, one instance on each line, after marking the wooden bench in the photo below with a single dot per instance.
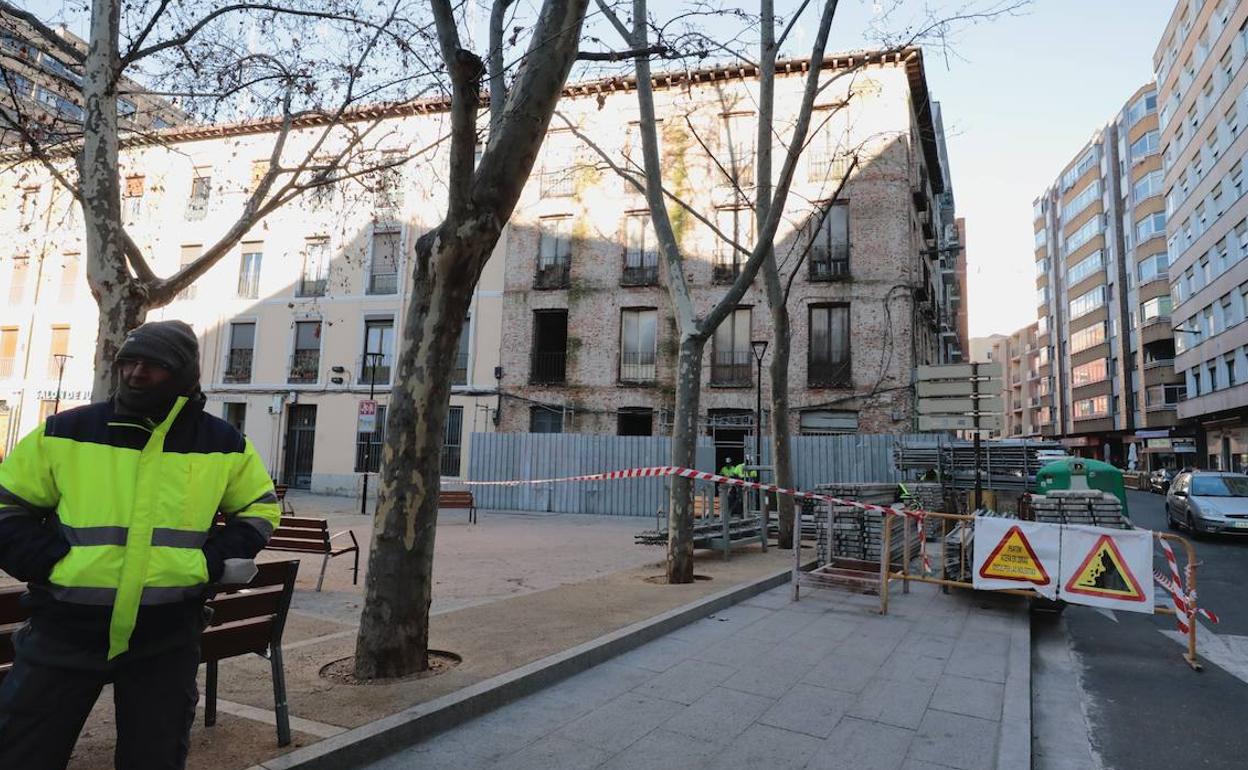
457 499
279 491
245 619
306 535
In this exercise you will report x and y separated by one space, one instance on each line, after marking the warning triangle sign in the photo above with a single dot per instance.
1014 559
1105 573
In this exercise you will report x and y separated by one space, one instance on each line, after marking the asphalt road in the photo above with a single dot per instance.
1145 708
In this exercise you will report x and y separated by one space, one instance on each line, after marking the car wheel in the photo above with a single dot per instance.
1191 526
1170 522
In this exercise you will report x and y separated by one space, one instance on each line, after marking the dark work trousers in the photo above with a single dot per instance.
53 685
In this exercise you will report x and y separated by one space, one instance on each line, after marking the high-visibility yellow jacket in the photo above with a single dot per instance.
135 501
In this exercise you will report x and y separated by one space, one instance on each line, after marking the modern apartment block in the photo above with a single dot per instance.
1105 349
44 85
589 340
296 324
1019 356
1203 91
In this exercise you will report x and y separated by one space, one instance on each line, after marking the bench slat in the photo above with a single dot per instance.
245 604
237 638
10 603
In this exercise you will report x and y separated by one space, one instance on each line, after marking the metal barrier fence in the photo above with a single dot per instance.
963 574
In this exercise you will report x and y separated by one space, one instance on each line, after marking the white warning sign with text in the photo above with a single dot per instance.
1016 554
1111 568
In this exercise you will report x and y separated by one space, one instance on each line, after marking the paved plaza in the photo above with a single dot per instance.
822 683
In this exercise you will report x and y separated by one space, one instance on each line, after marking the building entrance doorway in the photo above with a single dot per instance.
300 436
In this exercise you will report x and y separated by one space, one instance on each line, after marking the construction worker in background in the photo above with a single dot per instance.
733 470
106 511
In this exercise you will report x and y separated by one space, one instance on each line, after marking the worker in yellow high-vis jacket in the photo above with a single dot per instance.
106 511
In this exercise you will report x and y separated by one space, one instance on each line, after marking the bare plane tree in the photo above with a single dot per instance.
297 67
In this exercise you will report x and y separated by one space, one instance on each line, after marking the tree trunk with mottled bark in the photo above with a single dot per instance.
684 455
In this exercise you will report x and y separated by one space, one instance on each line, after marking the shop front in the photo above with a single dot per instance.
1173 448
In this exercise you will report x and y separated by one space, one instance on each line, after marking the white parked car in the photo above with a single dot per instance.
1208 502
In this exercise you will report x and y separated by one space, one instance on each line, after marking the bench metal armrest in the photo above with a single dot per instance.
355 544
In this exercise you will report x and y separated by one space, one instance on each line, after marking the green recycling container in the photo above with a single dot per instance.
1079 473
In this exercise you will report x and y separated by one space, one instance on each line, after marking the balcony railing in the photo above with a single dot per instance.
829 264
459 375
314 287
196 209
731 368
724 272
6 367
1158 363
383 283
637 366
553 276
374 369
238 365
304 367
640 275
829 374
549 368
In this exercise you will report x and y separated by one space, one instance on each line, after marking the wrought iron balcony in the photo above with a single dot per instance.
637 366
238 365
829 264
731 368
640 275
549 368
829 374
383 283
304 366
374 369
315 287
557 275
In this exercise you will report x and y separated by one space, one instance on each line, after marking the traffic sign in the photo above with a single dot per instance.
960 371
983 405
368 416
930 389
1016 554
1105 567
958 422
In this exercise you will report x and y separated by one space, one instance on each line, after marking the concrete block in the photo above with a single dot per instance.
972 697
840 672
686 681
771 678
659 655
808 709
862 745
617 724
554 753
778 626
664 750
895 703
957 741
763 746
719 715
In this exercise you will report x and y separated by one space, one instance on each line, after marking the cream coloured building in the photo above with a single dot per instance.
285 320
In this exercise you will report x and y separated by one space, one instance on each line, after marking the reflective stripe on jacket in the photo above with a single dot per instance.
135 502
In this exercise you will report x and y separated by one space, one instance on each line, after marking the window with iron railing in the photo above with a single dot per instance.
238 360
190 253
638 344
17 279
554 253
737 228
8 352
550 347
459 376
641 256
731 357
829 246
249 272
375 363
305 362
201 194
312 279
368 444
828 360
452 441
383 265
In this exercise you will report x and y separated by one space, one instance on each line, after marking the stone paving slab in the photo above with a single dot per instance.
823 683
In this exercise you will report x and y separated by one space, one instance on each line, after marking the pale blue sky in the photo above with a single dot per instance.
1020 95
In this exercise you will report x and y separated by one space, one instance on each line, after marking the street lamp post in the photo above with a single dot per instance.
760 349
61 358
370 360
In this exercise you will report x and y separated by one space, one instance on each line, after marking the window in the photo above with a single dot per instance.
368 444
1145 145
239 359
829 247
383 261
1041 237
1042 296
305 362
8 352
1150 226
312 277
132 200
550 347
543 419
829 363
827 423
554 253
69 277
737 226
638 346
1081 201
1092 407
635 421
1212 366
1232 309
738 148
731 356
58 350
1147 185
1154 267
249 271
1157 307
17 279
201 193
452 441
1236 177
1042 267
558 174
1231 379
1079 169
387 181
1143 106
1093 371
1085 267
378 356
235 413
460 375
190 253
27 206
258 170
1086 303
1085 233
1086 338
641 256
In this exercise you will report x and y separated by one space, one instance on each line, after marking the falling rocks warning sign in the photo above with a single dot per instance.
1109 568
1016 554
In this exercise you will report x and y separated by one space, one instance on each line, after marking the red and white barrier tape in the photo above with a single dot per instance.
690 473
1184 602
